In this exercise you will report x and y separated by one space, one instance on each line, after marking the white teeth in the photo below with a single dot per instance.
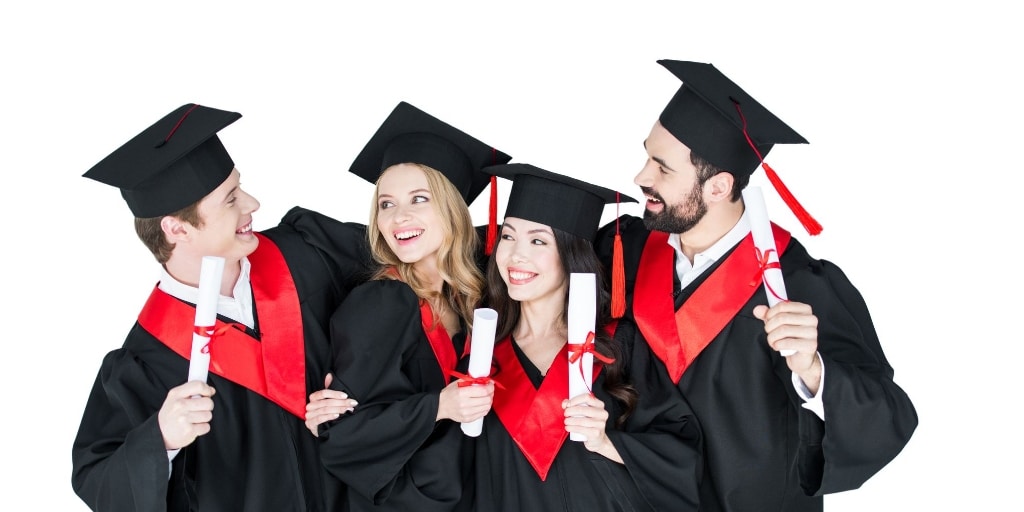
519 276
246 229
405 235
651 199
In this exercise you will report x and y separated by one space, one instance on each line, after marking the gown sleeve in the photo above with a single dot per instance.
390 449
660 443
343 244
868 417
118 459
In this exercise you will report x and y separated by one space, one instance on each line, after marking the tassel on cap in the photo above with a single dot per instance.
812 226
618 305
492 210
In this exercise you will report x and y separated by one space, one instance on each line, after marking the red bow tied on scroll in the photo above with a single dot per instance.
466 380
763 264
576 351
769 268
210 274
210 334
481 352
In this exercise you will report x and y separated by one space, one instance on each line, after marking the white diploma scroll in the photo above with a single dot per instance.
582 319
764 240
206 316
485 321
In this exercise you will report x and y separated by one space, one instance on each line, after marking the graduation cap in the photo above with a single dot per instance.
410 135
172 164
565 203
723 124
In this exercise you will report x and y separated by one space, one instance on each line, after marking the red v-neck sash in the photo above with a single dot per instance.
677 337
533 417
440 341
275 366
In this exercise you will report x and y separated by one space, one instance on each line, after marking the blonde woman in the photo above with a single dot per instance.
397 339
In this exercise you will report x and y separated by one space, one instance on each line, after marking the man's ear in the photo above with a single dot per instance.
719 187
175 230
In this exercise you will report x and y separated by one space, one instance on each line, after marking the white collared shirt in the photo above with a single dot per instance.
688 272
238 308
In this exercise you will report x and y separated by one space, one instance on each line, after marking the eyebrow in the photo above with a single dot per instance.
661 161
230 193
532 231
411 192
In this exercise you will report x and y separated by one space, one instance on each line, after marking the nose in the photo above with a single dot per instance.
250 202
517 255
400 214
645 178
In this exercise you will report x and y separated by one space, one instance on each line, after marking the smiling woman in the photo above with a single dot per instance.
399 337
641 443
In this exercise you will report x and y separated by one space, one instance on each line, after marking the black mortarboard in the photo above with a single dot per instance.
558 201
723 124
703 115
172 164
410 135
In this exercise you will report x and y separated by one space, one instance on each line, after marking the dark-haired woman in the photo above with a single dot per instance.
642 443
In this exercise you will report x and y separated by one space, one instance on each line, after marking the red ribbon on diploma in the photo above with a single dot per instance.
576 351
466 380
764 264
211 334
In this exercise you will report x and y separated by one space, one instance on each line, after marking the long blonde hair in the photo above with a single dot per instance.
456 258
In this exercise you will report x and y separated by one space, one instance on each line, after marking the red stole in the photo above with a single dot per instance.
677 337
440 342
275 367
534 418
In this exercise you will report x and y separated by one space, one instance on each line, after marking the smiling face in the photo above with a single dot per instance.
226 228
528 261
406 216
669 181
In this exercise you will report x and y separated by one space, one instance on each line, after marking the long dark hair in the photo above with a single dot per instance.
577 255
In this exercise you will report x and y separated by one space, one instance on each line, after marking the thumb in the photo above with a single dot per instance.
760 311
327 380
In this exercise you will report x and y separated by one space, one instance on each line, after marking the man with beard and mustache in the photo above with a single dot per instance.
780 432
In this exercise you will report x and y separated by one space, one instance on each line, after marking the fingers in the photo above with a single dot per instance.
186 414
791 327
465 403
327 394
190 389
585 406
585 415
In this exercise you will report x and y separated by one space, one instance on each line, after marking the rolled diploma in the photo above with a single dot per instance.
210 275
761 229
485 321
582 317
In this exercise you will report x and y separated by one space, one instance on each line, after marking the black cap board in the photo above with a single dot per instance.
172 164
555 200
410 135
703 115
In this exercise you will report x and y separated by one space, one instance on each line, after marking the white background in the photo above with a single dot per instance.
912 113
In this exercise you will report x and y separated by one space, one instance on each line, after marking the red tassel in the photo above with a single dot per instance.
492 217
618 279
812 226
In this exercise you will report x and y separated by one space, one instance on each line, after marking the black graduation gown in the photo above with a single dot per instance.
256 457
659 445
763 451
390 451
